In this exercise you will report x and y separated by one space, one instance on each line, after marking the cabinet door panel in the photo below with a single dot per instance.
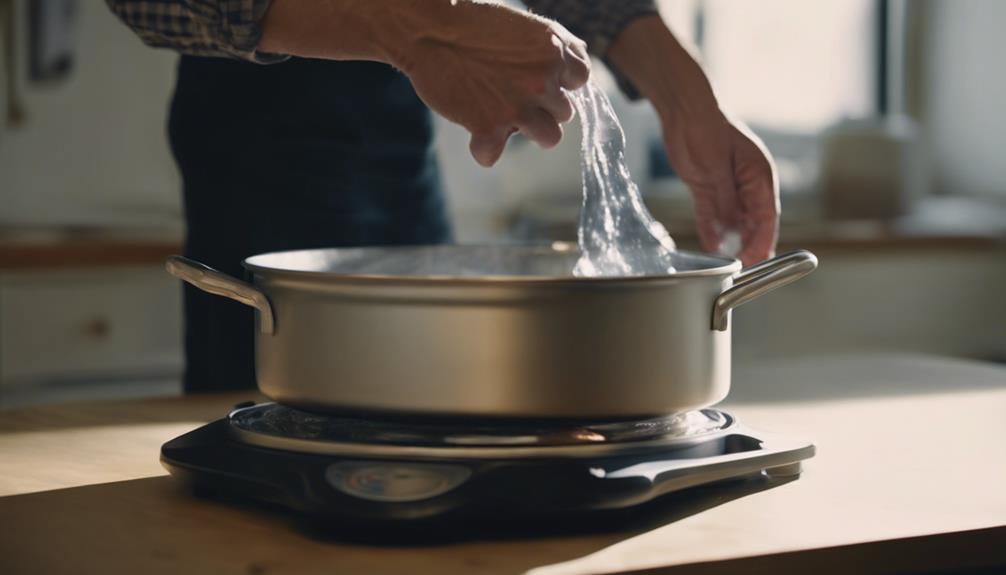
89 324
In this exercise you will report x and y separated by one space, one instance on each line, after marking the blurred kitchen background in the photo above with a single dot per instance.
886 118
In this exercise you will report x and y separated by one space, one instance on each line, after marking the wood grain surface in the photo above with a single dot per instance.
908 478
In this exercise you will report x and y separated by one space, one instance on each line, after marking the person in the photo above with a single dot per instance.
330 145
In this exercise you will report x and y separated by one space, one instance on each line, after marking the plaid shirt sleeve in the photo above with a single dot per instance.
598 23
227 28
231 27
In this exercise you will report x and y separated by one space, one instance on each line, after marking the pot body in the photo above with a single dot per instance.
579 350
470 331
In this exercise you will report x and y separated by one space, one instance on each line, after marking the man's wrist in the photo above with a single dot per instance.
401 31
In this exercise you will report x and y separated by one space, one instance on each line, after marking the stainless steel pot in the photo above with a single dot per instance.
491 330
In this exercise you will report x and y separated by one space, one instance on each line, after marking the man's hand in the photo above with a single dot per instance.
729 171
495 71
732 179
490 68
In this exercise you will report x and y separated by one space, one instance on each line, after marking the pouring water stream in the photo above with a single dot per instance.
617 234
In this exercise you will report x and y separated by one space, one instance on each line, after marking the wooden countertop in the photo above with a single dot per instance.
909 477
945 223
861 238
49 248
939 223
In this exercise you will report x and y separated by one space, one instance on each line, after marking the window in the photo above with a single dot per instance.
789 68
792 66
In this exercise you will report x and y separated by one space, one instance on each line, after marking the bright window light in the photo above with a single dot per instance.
785 65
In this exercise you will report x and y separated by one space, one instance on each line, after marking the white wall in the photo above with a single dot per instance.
965 95
93 149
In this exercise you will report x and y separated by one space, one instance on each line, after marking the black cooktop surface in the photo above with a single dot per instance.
379 473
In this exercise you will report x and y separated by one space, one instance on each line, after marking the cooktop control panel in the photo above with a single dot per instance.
393 481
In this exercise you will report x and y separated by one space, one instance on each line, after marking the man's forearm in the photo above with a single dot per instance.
362 29
330 29
270 30
663 71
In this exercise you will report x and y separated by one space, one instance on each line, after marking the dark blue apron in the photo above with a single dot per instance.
303 154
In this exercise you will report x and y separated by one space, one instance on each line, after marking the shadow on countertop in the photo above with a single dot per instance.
155 525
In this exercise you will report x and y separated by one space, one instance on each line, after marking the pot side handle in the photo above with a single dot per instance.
760 279
218 283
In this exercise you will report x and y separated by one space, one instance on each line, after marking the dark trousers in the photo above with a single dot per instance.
298 155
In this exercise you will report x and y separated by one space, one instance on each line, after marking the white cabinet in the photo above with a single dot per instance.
89 324
93 149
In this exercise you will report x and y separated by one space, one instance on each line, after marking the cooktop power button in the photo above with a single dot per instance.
395 482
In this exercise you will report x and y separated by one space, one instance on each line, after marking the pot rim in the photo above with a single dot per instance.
729 267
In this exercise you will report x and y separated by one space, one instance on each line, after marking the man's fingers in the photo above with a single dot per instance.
540 126
728 205
759 244
487 146
556 102
578 49
575 69
706 223
759 200
717 210
760 226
